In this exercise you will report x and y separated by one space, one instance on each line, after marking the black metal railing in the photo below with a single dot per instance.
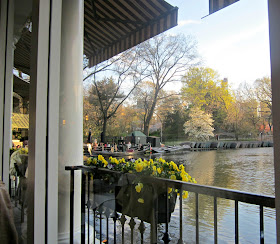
106 222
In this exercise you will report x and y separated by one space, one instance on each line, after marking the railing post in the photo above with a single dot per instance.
83 208
236 223
166 238
261 225
154 220
197 217
72 207
180 241
215 221
88 205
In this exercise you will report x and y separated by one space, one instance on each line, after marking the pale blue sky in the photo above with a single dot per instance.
233 41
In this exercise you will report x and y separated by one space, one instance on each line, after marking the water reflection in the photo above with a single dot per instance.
249 170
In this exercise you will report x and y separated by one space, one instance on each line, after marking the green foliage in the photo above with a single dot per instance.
203 89
173 124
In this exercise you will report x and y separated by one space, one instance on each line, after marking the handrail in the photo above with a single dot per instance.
252 198
216 192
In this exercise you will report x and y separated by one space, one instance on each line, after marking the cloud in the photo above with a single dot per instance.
233 40
188 22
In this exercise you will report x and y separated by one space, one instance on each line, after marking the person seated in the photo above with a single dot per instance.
89 148
124 147
95 145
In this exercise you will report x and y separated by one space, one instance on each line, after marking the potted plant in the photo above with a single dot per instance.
135 192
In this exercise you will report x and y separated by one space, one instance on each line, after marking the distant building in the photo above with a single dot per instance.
137 137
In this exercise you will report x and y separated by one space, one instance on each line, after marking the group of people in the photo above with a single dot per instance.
114 147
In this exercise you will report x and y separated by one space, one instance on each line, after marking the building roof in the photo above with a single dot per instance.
111 27
138 133
20 121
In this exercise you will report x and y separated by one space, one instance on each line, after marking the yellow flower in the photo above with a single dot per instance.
105 162
184 177
173 177
140 200
182 167
138 188
169 190
161 160
159 170
139 167
100 157
89 161
185 194
154 168
174 166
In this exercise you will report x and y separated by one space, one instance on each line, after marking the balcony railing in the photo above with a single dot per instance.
113 226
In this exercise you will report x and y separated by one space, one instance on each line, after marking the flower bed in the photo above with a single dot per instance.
137 196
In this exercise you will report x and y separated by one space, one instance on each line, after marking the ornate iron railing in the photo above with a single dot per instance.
90 213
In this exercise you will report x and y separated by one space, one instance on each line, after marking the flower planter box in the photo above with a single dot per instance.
129 187
153 205
125 199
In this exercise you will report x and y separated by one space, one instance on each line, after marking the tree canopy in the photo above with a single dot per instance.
202 88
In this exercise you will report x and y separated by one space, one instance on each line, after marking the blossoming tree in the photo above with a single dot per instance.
200 126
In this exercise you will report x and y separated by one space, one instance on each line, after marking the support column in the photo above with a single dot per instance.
42 219
6 85
37 141
274 34
71 114
3 27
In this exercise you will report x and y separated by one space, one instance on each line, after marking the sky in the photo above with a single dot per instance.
233 41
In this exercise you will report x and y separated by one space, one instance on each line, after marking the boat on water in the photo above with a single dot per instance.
107 151
136 151
120 154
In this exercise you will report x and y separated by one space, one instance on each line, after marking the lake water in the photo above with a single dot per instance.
250 170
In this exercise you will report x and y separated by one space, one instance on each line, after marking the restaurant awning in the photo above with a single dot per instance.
111 27
20 121
21 87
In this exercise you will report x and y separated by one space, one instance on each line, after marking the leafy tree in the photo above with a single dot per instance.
264 95
202 88
200 125
173 114
164 59
110 93
246 96
91 119
242 118
108 97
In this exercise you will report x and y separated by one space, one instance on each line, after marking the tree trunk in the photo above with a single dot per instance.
150 114
103 133
146 128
